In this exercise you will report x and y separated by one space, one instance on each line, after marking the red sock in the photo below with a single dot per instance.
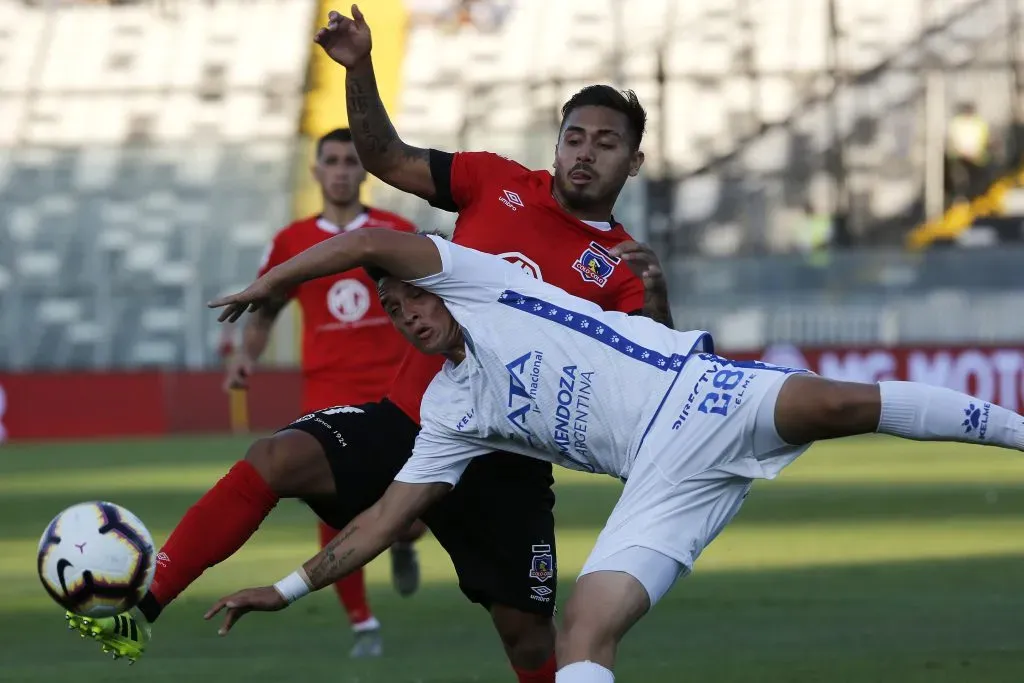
212 530
545 674
351 590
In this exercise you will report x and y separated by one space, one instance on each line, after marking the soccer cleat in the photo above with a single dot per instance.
122 636
367 644
405 568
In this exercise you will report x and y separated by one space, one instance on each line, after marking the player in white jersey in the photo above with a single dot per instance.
536 371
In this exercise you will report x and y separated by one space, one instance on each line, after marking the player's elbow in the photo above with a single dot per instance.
402 504
365 246
375 247
404 168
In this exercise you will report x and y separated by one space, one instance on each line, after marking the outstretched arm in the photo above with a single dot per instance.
405 255
367 536
348 42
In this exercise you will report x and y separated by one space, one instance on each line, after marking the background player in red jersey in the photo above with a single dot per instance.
349 349
498 524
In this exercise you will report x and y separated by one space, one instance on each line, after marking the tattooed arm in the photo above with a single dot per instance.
382 152
348 42
367 536
372 532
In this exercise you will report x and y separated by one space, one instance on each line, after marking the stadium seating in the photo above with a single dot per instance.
146 155
145 161
747 89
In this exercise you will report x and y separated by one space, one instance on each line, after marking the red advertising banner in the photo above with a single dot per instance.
83 405
65 405
993 374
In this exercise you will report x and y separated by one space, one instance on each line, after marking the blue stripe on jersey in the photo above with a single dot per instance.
591 327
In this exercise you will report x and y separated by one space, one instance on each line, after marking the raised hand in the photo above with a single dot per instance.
642 260
346 41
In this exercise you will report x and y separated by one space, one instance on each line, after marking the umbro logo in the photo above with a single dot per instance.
511 200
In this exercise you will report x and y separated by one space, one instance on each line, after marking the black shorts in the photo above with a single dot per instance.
497 524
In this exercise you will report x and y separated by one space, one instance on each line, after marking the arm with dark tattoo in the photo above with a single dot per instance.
372 532
382 152
340 557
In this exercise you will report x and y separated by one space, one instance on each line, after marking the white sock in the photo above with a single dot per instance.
925 413
370 624
584 672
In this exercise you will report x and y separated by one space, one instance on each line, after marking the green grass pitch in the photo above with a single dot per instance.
869 561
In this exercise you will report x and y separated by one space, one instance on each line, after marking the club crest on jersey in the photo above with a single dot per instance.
595 264
542 566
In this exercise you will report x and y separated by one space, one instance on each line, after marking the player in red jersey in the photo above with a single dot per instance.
349 349
498 524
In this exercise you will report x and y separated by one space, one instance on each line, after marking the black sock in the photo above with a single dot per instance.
149 607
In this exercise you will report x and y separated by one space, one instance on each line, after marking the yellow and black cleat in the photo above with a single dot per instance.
122 636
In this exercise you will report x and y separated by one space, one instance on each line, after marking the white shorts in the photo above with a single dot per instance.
714 435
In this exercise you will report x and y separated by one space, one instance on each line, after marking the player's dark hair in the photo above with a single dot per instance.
336 135
624 101
376 273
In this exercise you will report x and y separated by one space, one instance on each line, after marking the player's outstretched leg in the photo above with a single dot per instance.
811 408
405 564
604 606
351 592
289 464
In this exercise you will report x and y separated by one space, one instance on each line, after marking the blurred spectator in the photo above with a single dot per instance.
968 147
429 11
484 15
453 15
814 235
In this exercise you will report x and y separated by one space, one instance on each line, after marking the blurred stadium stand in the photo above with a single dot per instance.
148 151
758 107
145 161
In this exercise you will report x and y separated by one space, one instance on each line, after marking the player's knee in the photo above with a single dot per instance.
810 408
529 639
292 464
264 455
845 408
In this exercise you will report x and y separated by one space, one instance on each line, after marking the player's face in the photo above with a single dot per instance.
420 316
594 157
339 172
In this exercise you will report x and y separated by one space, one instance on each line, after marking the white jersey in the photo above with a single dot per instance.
546 374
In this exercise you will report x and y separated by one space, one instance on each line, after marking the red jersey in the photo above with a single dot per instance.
349 348
508 210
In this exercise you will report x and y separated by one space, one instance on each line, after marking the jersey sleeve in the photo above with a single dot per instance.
461 178
629 298
405 226
438 456
467 276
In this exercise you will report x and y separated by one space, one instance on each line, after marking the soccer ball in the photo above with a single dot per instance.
96 559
